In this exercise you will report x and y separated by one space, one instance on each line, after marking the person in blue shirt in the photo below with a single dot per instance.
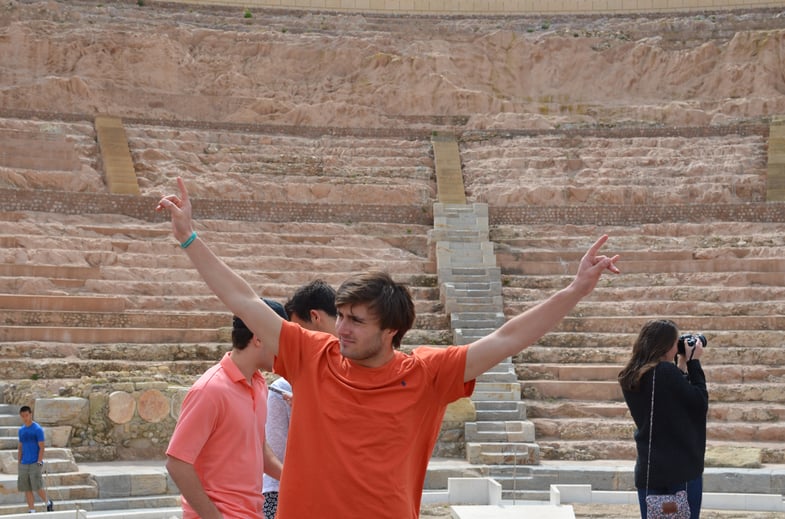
31 460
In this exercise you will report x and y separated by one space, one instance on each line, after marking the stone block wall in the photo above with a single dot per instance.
133 419
494 7
102 420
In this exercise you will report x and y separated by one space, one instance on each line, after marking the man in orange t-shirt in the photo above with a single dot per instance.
365 416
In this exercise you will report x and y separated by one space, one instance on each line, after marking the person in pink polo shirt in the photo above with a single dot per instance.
218 451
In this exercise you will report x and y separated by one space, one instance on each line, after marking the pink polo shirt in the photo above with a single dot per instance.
220 432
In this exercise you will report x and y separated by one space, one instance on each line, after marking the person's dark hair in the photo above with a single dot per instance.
25 409
316 295
241 335
654 341
389 301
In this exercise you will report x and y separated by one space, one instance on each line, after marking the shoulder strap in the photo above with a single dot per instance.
651 428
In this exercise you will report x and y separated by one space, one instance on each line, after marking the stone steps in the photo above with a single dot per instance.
63 479
583 429
750 412
660 283
52 369
560 170
86 292
636 236
318 246
139 263
513 265
87 335
149 318
594 352
768 391
636 297
717 322
719 373
296 169
731 340
724 279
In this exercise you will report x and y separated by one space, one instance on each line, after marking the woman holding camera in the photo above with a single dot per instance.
670 455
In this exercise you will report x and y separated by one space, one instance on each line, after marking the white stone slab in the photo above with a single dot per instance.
513 512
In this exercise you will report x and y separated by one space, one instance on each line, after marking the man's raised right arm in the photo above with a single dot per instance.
230 288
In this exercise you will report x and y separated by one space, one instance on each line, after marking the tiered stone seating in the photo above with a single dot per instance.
112 295
723 279
284 168
558 170
52 155
89 294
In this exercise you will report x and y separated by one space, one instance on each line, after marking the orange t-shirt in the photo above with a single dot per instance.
360 438
220 432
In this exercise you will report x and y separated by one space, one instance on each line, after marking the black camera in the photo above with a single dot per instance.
690 339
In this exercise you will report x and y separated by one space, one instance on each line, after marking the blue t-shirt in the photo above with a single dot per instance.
29 438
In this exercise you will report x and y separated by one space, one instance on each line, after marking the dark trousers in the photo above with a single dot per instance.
694 496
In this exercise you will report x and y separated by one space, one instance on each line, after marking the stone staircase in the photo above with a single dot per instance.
64 481
471 290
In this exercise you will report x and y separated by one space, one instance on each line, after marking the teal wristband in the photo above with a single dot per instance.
189 241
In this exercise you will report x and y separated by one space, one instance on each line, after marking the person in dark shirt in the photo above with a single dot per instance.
681 403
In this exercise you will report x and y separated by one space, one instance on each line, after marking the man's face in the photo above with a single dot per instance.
361 338
27 417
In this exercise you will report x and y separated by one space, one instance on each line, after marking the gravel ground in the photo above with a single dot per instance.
615 512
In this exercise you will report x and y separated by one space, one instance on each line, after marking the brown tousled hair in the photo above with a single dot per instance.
389 301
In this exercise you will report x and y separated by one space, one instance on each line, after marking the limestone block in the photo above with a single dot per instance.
65 410
462 410
122 406
148 484
8 462
151 384
474 491
114 485
178 395
153 405
744 457
58 435
99 403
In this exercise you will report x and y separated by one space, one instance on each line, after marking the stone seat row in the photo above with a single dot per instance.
640 237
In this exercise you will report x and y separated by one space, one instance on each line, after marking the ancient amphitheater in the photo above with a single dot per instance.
474 155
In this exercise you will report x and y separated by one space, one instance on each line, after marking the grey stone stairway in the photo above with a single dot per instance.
470 288
62 477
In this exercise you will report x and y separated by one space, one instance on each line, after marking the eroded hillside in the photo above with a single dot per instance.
345 70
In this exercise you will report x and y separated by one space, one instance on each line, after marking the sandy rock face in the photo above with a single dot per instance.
365 71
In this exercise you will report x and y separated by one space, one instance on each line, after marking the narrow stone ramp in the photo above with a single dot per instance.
449 177
775 187
115 156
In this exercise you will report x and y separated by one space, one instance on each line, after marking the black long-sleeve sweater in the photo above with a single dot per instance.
681 404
